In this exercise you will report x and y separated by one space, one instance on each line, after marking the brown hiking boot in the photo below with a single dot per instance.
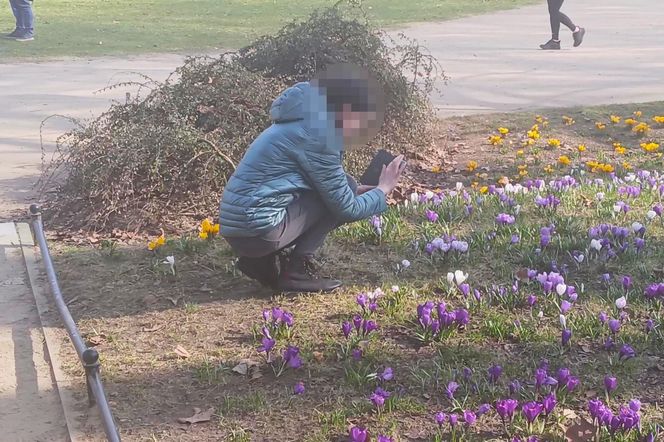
263 270
299 274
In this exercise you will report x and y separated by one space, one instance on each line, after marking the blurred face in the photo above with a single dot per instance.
358 127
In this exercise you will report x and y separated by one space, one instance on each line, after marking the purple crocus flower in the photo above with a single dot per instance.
359 434
494 373
514 387
565 306
505 408
629 418
531 410
465 289
361 300
603 317
483 409
626 282
572 383
610 383
650 326
382 438
532 300
451 389
467 373
540 378
357 354
287 319
626 352
267 344
357 322
440 418
549 403
566 336
596 408
454 419
469 417
563 375
292 356
369 326
266 315
609 344
377 399
504 219
346 328
614 325
461 317
387 374
298 388
515 239
635 405
432 216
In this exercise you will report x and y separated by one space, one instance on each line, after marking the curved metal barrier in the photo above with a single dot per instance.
88 356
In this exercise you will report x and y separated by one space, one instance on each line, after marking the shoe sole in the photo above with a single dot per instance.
21 40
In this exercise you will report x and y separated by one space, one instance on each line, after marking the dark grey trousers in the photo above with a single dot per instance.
305 226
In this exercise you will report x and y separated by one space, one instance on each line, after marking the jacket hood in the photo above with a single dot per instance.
308 104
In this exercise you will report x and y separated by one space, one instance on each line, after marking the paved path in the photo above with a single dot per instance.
493 62
30 409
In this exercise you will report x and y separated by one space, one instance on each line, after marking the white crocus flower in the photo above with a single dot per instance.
561 289
617 208
460 277
450 277
563 322
596 244
621 303
459 186
579 258
636 226
405 263
651 215
600 196
170 260
540 314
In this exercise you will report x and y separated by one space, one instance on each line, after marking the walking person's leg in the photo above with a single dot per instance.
24 11
556 17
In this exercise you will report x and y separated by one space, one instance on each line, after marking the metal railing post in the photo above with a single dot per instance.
89 357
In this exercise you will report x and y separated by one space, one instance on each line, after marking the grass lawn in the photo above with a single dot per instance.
119 27
173 340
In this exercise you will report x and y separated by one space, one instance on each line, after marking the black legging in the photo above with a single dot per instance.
557 18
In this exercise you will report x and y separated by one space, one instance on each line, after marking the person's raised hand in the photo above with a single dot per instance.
389 176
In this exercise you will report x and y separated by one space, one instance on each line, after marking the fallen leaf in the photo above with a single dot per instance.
580 432
96 340
174 301
570 414
319 356
586 348
153 329
243 367
182 352
591 393
199 416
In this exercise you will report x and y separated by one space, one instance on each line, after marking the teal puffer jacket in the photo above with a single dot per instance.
300 151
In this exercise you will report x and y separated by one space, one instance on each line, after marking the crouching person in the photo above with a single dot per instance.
290 189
